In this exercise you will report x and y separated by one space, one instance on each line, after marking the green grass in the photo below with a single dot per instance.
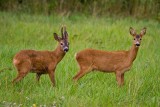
96 89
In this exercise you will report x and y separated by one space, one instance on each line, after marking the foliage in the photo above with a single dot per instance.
136 8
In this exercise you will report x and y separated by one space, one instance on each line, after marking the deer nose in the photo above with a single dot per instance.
66 49
137 44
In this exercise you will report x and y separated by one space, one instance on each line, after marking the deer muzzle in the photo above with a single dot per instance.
66 49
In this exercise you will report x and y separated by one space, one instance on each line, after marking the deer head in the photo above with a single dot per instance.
137 37
63 41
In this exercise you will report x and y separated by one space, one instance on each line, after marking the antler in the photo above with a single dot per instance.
62 31
64 28
65 33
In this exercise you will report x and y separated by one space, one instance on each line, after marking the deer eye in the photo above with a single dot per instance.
61 43
134 39
140 39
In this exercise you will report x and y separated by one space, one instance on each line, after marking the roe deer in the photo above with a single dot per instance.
116 61
41 62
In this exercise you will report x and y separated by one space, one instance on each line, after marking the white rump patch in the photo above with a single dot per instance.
15 61
75 55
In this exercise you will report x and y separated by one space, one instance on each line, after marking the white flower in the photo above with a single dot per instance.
62 97
27 98
14 103
54 104
20 105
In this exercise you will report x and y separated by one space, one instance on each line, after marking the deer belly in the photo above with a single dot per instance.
104 68
39 69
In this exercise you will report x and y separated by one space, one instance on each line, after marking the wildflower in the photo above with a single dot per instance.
34 105
54 104
27 98
20 105
62 97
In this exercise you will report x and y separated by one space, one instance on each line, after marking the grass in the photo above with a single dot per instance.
96 89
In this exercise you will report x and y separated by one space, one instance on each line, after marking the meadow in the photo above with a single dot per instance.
96 89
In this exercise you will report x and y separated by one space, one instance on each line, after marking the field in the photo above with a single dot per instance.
96 89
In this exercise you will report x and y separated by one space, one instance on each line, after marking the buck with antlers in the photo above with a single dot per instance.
41 62
116 61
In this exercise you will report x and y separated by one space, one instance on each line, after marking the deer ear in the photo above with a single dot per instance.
56 37
132 31
143 31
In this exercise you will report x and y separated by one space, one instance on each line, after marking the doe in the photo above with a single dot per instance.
41 62
116 61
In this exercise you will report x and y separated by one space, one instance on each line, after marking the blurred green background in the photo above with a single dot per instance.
136 8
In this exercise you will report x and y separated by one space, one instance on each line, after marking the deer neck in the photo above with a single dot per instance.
59 53
133 53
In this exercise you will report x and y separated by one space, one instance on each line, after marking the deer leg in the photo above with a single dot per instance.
120 78
81 73
52 78
38 76
19 77
22 71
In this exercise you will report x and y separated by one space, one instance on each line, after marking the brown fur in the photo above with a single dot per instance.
117 61
39 62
